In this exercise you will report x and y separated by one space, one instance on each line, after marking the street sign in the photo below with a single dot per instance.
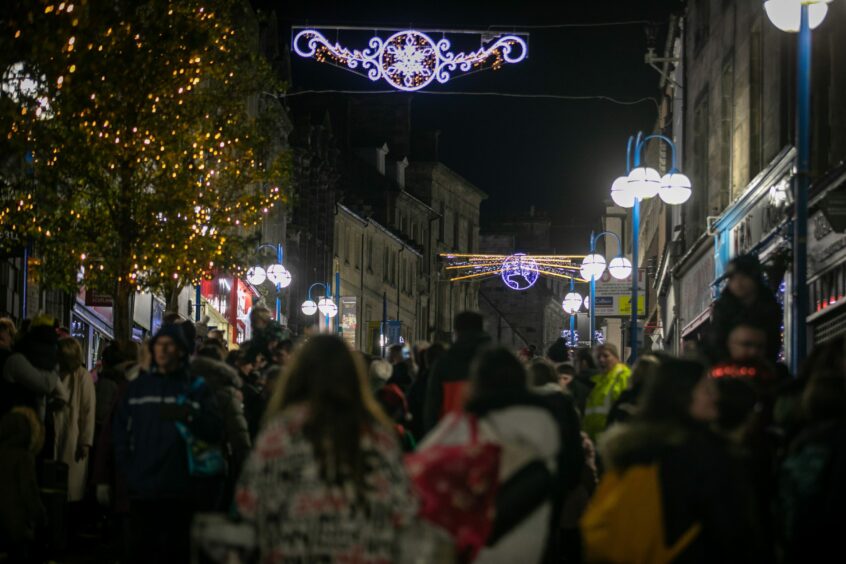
614 297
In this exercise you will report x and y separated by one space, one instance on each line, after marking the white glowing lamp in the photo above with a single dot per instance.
309 307
592 266
572 302
327 307
786 14
620 268
675 188
587 303
644 182
622 193
279 275
256 275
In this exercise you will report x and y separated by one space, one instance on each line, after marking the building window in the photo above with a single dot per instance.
456 235
385 265
347 243
756 100
442 224
726 128
370 254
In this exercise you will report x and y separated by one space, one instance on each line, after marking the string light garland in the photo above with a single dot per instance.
518 271
410 60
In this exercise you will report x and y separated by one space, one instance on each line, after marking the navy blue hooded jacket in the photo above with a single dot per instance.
148 447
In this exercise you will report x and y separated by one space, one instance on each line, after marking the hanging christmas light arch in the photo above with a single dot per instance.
411 59
518 271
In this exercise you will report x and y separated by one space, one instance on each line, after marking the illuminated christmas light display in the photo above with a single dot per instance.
518 271
410 60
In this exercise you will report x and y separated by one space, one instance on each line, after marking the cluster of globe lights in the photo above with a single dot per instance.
645 182
325 305
276 273
592 267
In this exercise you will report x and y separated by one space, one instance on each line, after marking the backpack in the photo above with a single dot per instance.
204 459
624 522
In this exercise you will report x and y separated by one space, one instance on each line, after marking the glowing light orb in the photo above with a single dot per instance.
309 307
327 307
279 275
593 266
256 275
519 272
572 302
620 268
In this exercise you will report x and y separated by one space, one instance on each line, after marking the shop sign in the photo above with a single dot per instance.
614 297
348 323
765 216
97 299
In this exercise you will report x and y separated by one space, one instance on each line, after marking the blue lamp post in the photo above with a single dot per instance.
325 305
641 183
800 16
277 274
594 265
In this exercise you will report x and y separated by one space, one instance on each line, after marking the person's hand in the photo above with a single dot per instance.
82 452
104 495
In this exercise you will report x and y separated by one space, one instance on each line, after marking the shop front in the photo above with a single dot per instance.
827 260
758 224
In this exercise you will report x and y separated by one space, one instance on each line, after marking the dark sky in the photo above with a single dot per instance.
558 155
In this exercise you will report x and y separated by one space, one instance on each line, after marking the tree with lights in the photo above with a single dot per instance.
142 146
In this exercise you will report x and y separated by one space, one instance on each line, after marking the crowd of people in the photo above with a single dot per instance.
463 453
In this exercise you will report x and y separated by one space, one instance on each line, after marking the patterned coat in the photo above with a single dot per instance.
298 517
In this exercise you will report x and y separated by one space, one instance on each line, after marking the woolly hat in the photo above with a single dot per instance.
175 332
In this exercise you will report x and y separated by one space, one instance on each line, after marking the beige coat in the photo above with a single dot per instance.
74 425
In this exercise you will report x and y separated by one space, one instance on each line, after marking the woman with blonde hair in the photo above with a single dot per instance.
74 421
325 481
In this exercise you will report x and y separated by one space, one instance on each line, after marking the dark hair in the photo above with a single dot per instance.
668 395
497 369
542 372
586 356
468 322
286 345
558 351
235 358
824 398
213 351
330 380
566 368
646 368
395 349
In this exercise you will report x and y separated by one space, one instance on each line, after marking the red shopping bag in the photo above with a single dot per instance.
457 486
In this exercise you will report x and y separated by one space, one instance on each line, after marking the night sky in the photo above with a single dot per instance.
558 155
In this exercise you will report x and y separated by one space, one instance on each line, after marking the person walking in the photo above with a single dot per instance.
608 384
670 489
151 429
448 380
325 482
74 421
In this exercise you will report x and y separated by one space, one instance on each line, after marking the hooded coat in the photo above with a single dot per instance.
226 386
699 482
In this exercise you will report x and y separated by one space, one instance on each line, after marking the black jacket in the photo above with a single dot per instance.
453 367
699 481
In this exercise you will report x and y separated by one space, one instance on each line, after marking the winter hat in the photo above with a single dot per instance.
748 265
175 332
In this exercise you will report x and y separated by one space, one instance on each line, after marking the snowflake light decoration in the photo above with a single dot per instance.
409 60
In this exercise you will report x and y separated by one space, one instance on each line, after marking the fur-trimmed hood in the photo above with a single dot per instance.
639 442
215 372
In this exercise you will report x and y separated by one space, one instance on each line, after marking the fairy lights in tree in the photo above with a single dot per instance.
410 59
157 158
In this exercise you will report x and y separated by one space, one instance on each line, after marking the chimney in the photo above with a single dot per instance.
398 171
374 156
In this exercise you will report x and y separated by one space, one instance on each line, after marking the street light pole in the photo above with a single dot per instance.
592 295
802 183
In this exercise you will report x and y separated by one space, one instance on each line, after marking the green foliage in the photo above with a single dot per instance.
152 132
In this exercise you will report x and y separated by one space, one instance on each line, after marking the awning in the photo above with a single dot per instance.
93 319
